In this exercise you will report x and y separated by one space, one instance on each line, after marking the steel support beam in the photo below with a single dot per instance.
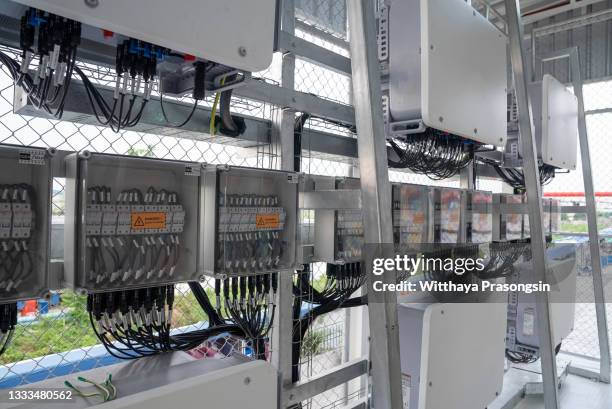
314 53
591 208
376 197
283 133
589 194
534 194
328 380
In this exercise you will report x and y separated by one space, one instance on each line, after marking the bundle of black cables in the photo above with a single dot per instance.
137 323
434 153
56 39
8 321
341 282
516 177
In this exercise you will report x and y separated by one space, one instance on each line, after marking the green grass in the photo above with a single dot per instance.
72 329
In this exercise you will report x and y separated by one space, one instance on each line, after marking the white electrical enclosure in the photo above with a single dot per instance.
447 67
461 360
522 314
559 124
174 380
236 33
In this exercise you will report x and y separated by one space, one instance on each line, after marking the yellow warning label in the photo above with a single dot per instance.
267 221
148 220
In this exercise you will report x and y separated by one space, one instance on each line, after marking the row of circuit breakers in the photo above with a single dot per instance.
132 222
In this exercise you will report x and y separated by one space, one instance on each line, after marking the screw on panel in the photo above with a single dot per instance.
247 380
475 130
441 119
430 383
92 3
431 47
242 51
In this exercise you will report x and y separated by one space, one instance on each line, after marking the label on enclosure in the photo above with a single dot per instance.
148 220
267 221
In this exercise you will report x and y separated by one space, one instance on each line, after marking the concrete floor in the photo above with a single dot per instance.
575 393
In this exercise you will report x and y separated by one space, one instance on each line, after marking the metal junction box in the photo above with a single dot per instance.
130 222
449 215
26 184
447 70
236 33
338 232
250 219
555 113
412 221
479 218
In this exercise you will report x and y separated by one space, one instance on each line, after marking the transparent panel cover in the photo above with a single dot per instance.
138 222
257 219
447 215
25 191
513 221
410 213
481 228
349 227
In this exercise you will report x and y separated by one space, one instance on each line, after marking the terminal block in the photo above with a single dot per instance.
25 218
251 219
130 222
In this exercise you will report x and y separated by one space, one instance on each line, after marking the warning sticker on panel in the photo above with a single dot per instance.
267 221
148 220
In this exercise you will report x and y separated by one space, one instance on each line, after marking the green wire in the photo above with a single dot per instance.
107 390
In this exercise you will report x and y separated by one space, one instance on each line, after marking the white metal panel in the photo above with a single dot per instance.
559 124
453 354
237 33
405 59
463 65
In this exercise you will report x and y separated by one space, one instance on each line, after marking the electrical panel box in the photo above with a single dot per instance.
130 222
511 222
555 113
26 184
250 217
448 215
412 221
236 33
451 354
338 233
522 332
479 223
447 70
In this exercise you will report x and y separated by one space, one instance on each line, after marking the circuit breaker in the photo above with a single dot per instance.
447 70
479 223
412 222
448 215
26 184
130 222
338 232
250 219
